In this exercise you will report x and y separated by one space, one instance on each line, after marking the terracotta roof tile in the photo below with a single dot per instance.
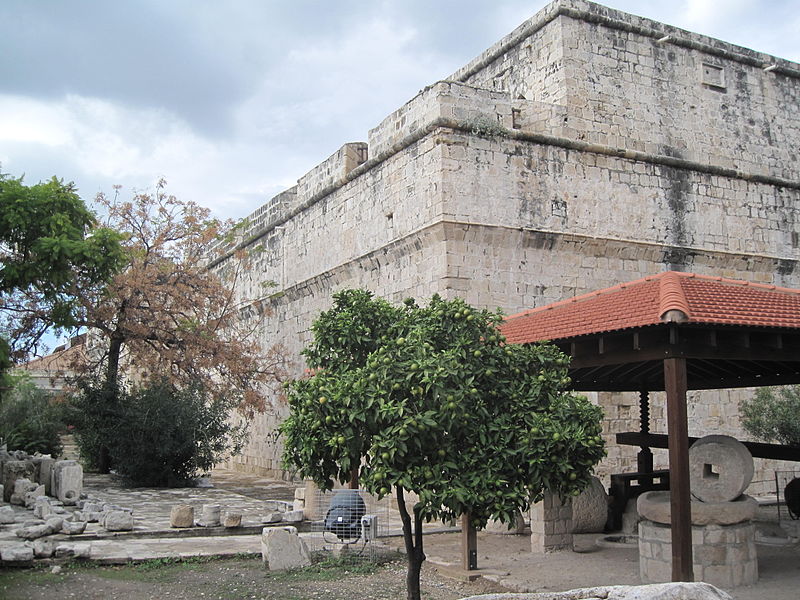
648 301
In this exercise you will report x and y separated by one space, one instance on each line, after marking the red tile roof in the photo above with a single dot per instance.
702 299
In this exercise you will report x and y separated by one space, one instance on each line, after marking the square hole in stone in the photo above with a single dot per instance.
709 472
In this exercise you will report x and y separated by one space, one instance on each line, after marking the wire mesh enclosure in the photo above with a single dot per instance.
351 522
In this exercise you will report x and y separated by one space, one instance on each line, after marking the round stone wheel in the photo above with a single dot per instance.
720 468
655 507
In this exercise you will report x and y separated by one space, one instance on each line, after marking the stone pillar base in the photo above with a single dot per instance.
723 555
551 524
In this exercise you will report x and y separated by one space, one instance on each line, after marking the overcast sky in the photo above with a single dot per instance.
232 101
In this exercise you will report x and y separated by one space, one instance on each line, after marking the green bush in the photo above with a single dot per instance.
96 414
157 435
773 414
31 420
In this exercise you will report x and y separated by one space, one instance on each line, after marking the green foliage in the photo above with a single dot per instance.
158 435
30 419
431 399
49 248
773 414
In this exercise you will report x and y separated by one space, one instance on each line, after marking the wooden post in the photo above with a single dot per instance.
469 544
680 506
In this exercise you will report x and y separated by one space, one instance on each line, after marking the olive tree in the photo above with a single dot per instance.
430 399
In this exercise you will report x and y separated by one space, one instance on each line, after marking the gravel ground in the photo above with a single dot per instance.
230 579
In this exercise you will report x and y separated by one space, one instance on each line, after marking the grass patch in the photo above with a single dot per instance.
328 568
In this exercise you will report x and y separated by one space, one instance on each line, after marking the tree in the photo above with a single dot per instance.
773 414
432 400
50 246
166 316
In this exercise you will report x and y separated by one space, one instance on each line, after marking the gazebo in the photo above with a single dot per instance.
674 332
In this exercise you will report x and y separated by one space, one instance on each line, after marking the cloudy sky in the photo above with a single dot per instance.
232 101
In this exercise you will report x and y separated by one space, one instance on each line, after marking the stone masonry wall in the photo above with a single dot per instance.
580 151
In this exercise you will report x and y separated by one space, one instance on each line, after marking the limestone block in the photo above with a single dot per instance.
293 516
117 520
13 470
499 528
42 508
7 515
720 468
209 515
43 548
73 551
654 591
22 486
278 506
67 481
32 532
232 519
16 553
282 548
181 515
1 486
590 509
274 517
44 472
31 496
73 527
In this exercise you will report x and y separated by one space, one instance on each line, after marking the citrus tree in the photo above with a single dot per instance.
433 401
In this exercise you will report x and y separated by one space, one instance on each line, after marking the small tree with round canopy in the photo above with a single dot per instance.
433 401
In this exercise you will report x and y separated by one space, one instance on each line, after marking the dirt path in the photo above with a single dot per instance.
229 580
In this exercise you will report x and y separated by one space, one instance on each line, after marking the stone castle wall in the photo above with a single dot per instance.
576 153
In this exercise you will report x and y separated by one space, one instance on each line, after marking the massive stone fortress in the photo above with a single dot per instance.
588 147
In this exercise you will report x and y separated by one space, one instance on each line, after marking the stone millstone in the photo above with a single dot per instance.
590 508
720 468
655 506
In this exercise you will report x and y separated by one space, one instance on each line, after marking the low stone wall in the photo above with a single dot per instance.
723 555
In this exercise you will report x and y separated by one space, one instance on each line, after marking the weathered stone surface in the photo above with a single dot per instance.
278 506
293 516
67 481
590 509
16 553
720 468
655 506
44 472
282 548
273 517
22 486
73 527
209 515
631 518
32 532
117 520
181 515
13 470
42 508
32 495
231 519
73 551
7 515
499 528
43 548
658 591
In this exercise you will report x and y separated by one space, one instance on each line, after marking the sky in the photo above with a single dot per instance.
231 102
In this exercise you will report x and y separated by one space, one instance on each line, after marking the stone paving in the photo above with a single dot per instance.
152 536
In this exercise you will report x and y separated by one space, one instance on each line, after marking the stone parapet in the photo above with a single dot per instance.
551 524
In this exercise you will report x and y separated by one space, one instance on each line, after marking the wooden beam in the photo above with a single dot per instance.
757 449
469 544
680 505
